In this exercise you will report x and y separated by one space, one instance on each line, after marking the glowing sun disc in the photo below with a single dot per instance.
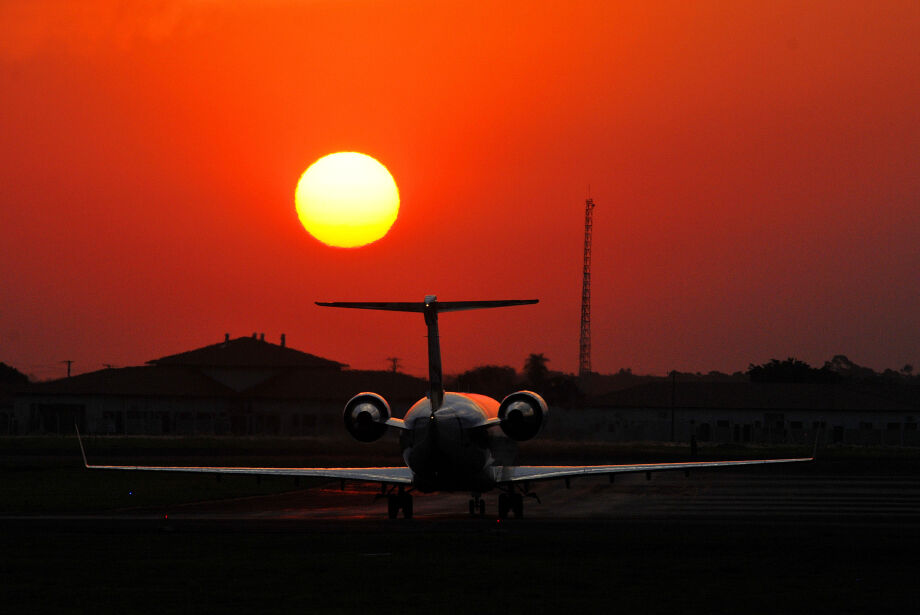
347 200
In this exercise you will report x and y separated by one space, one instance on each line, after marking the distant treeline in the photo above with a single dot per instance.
838 369
566 389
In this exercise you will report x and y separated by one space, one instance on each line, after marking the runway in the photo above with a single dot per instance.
711 496
712 542
701 496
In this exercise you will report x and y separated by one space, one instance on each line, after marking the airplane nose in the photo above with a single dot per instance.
447 429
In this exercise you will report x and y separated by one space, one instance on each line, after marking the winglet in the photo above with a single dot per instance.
82 450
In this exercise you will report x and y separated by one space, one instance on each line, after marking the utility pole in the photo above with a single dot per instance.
673 399
394 363
69 363
584 342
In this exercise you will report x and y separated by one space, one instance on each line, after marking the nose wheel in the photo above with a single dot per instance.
477 506
399 501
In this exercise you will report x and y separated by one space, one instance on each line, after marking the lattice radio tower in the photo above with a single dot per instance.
584 341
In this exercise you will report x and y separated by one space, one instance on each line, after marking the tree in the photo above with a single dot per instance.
847 370
790 370
535 371
492 380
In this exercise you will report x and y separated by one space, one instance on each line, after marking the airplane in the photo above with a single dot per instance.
450 441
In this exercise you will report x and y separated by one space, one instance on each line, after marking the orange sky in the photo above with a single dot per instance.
754 165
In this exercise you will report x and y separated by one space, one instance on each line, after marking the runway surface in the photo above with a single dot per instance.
753 497
716 542
700 496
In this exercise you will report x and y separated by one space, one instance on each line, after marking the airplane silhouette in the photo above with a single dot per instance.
450 441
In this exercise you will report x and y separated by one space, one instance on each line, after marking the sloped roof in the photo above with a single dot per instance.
340 386
147 381
755 396
247 352
285 374
287 384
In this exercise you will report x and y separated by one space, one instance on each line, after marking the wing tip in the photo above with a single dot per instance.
80 441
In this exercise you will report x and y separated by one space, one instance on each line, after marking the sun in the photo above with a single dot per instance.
347 200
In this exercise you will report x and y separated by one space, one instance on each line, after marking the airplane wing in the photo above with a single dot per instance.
515 474
392 476
388 475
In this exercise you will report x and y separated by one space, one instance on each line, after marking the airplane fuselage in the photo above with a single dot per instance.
456 448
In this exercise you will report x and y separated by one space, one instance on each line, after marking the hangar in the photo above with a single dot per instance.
241 386
748 412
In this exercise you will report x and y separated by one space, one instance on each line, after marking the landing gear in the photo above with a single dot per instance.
511 502
399 501
517 505
477 505
407 506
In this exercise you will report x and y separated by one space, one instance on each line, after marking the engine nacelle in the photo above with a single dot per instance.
522 415
366 415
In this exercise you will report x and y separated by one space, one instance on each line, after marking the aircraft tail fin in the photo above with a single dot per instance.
430 308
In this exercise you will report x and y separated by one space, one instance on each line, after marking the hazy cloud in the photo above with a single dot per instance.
88 27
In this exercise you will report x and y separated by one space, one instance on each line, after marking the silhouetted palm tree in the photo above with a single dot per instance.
535 371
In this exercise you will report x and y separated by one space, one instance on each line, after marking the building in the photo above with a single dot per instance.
247 386
746 412
7 413
242 386
11 381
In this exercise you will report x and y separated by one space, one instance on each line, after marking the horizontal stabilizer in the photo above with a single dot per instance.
419 306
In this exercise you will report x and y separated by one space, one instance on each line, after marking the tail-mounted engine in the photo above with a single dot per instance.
366 415
522 414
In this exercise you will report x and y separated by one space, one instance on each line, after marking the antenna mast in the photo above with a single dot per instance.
584 342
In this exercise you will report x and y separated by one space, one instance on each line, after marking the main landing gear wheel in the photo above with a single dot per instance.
407 506
517 505
397 502
510 502
477 505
